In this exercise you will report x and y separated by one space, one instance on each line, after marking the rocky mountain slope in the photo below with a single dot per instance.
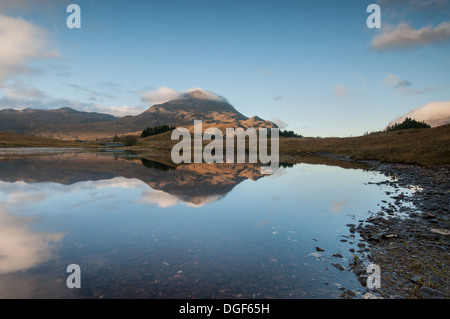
68 124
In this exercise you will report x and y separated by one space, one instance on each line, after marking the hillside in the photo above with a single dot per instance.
429 147
18 140
30 121
68 124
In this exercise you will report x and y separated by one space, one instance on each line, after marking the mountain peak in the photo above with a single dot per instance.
200 94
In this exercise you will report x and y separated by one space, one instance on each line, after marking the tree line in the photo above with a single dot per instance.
154 130
407 124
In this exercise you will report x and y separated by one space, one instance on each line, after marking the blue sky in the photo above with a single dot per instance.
314 67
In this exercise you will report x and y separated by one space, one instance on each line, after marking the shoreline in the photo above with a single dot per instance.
412 251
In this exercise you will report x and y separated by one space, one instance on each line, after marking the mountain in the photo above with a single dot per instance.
69 124
66 115
434 113
31 121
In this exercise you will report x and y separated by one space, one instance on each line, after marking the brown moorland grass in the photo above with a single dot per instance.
428 147
18 140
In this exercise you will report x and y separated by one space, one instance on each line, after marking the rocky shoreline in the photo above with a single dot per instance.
408 239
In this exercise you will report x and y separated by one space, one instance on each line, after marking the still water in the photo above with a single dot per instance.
139 228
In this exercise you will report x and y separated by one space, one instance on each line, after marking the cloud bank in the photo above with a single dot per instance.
21 41
434 113
404 36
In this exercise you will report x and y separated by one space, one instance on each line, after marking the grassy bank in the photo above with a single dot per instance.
18 140
428 147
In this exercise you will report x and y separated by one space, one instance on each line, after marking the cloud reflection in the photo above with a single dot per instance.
20 247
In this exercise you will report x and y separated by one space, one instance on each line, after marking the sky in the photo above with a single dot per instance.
312 67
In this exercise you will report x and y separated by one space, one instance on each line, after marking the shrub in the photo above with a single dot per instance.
129 140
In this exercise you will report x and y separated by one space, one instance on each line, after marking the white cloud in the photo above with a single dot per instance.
22 98
21 41
119 111
20 247
160 95
29 5
412 4
164 94
200 93
23 93
164 200
404 36
434 113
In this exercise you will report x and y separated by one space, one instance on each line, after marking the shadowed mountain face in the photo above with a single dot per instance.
32 120
69 124
193 184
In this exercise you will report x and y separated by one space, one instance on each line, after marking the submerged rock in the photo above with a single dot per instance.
338 266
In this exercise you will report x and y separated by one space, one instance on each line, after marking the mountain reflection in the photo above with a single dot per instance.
193 184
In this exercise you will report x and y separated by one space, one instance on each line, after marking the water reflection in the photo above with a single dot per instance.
142 228
196 184
22 247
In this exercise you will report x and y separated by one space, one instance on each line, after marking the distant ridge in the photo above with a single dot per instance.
34 120
69 124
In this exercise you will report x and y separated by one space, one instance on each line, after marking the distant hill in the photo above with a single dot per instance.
69 124
434 114
18 140
32 120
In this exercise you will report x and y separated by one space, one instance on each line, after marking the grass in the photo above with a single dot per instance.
18 140
427 147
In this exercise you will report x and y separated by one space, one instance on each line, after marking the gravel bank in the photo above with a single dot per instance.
409 239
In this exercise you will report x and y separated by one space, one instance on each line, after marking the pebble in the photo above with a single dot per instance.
369 295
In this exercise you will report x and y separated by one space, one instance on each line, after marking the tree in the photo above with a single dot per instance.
130 140
287 133
408 123
154 130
